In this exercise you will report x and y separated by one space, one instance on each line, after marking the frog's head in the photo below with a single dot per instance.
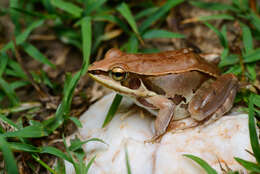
114 73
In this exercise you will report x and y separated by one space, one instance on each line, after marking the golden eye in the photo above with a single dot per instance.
118 74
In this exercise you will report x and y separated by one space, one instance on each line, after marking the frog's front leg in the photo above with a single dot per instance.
165 114
214 98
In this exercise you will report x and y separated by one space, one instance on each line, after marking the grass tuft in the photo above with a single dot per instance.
202 163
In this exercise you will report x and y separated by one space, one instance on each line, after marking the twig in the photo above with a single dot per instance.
42 94
252 4
249 152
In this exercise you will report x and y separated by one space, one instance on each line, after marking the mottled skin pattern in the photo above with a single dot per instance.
177 84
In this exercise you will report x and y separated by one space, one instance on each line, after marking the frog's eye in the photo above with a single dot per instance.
118 74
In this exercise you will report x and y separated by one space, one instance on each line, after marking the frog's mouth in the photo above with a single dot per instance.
107 81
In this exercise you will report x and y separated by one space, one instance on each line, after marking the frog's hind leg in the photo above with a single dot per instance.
223 109
214 98
188 123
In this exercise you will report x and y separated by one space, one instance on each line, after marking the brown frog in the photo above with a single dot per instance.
172 85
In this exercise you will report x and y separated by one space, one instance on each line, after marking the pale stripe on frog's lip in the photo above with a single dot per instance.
121 89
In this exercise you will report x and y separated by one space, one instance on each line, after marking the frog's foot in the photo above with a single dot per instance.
175 126
183 124
214 99
222 110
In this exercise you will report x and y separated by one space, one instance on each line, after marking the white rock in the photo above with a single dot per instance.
222 140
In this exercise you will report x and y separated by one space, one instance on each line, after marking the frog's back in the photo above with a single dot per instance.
167 62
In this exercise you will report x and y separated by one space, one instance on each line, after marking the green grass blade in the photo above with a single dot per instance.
3 62
236 2
69 36
241 4
1 129
221 36
257 100
251 68
68 7
202 163
76 121
56 152
245 4
114 19
33 13
3 11
68 91
48 6
249 165
60 166
27 132
247 38
37 158
9 160
253 56
150 34
8 121
159 13
13 73
9 92
36 54
125 11
46 80
252 130
76 144
86 42
16 69
94 6
146 12
230 59
20 108
24 35
89 164
127 162
112 110
132 45
23 147
236 70
71 82
19 84
255 20
54 122
15 15
216 17
212 5
69 154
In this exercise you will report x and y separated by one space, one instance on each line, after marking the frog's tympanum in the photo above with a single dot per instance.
173 84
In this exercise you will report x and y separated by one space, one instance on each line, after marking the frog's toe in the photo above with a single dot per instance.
154 139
